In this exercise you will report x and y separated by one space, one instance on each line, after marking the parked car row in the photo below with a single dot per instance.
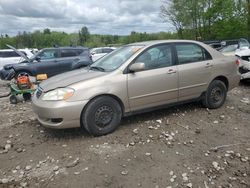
50 61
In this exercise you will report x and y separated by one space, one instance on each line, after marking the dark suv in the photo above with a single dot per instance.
50 61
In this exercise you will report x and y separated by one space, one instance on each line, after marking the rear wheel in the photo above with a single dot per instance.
13 99
215 95
27 96
101 116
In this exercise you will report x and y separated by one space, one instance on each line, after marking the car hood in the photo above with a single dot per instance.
68 78
18 52
16 65
241 53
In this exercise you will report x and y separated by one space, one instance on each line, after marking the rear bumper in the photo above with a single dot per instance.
58 114
244 69
233 81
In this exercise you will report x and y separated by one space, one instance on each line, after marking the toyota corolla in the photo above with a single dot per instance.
135 78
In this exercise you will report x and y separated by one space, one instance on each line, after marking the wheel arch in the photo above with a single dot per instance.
114 97
223 79
103 95
24 70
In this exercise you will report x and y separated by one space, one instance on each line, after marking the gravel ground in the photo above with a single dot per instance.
184 146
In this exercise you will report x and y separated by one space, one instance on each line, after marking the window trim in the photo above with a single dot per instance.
126 70
202 48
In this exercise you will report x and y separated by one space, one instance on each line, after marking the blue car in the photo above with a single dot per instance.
50 61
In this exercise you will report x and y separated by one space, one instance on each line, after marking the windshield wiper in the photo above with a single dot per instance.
97 68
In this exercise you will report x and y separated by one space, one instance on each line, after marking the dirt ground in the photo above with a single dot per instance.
184 146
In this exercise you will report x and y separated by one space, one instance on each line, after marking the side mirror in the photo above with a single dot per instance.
136 67
38 58
93 53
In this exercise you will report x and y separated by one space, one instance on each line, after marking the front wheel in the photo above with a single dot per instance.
215 95
101 116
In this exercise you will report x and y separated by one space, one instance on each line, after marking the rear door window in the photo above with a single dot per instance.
189 53
68 53
107 50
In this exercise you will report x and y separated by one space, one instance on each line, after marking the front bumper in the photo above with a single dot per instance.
7 74
58 114
244 69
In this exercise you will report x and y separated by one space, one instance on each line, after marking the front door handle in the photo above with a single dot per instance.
208 65
171 71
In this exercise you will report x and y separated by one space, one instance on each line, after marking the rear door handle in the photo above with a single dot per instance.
208 65
171 71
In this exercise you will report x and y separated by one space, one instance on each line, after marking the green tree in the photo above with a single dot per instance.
83 35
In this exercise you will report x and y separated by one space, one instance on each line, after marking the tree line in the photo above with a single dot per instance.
47 38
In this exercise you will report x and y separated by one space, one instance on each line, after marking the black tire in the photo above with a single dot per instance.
215 95
13 99
101 116
27 96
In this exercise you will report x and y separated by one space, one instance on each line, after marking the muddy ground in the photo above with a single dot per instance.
185 146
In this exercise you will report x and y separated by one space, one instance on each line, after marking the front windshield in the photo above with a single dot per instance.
115 59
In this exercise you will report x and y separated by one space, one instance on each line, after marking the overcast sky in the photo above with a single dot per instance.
101 17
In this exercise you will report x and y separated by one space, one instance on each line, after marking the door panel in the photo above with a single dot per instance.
152 87
158 83
193 79
49 63
194 70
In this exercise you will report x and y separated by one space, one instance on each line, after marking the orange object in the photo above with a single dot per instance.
23 82
41 77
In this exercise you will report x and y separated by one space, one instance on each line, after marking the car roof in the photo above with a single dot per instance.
153 42
67 48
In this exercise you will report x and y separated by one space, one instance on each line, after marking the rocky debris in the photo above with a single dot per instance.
124 172
159 121
216 165
28 167
184 177
245 100
135 131
77 173
73 164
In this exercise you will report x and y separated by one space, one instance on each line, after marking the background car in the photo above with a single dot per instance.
8 56
244 66
135 78
232 46
97 53
50 61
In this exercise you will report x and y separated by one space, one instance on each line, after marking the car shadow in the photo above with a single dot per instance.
75 133
245 83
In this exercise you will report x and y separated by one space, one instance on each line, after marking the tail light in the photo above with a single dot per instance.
237 62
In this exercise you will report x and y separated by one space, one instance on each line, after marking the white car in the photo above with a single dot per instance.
97 53
8 56
244 63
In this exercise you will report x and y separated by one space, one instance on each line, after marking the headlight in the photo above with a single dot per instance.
58 94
